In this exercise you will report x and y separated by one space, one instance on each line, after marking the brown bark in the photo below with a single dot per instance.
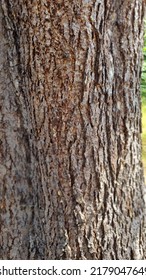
71 172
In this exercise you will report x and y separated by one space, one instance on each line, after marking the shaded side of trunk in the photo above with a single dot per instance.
73 135
18 202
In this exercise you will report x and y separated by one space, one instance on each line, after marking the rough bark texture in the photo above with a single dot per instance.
71 173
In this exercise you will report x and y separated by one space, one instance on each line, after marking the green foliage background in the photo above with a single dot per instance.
143 92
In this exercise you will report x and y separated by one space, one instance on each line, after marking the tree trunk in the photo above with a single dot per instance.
71 173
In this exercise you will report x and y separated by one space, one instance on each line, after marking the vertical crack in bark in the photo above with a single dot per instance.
76 82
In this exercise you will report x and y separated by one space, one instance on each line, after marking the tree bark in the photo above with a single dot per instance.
71 173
